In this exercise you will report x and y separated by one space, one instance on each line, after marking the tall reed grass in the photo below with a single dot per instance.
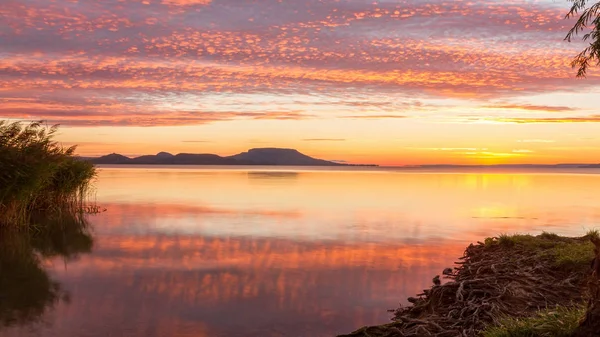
37 174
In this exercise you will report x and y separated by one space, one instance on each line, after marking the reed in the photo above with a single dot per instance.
38 175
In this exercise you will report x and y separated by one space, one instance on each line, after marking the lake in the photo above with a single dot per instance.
259 251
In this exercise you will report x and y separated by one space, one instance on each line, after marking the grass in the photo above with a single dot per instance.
570 254
573 255
592 234
566 253
37 174
555 322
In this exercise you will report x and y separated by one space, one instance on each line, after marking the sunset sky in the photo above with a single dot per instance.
385 82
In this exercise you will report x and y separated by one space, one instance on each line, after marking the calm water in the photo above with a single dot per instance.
286 252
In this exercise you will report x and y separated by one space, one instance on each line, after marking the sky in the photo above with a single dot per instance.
379 81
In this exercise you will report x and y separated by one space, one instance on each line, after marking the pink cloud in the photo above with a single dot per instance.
153 48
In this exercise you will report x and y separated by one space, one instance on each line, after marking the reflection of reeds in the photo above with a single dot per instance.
65 234
37 174
26 289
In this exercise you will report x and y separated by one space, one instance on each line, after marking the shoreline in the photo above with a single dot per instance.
497 285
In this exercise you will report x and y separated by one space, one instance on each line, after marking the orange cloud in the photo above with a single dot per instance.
584 119
373 116
530 107
108 112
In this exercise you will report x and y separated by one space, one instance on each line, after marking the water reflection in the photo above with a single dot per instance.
190 252
26 289
273 174
270 178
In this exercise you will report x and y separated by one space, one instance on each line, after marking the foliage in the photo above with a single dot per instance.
37 174
553 322
590 17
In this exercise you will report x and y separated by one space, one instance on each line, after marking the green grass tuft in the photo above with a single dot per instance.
549 236
543 241
566 253
555 322
573 256
592 234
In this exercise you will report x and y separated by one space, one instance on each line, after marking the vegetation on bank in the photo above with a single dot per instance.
37 174
560 321
510 285
565 253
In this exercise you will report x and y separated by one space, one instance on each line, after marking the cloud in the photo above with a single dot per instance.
373 116
490 154
196 141
584 119
186 2
139 53
134 117
535 141
292 115
324 139
450 149
455 149
531 107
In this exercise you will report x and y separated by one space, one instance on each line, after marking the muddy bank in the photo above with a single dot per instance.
503 277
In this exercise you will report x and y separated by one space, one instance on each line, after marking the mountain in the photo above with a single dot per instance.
262 156
112 158
196 159
275 156
164 155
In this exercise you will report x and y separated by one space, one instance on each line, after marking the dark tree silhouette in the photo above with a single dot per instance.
589 18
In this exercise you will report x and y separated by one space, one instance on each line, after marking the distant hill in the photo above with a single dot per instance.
261 156
112 158
275 156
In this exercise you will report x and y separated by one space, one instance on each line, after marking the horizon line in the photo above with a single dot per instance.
439 165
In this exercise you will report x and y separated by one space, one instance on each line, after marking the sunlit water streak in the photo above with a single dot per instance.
288 252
